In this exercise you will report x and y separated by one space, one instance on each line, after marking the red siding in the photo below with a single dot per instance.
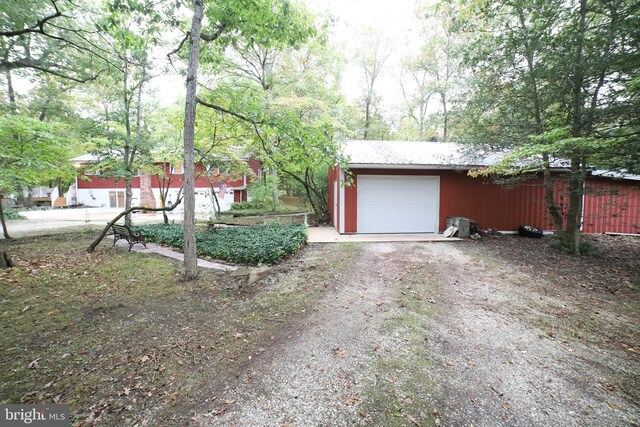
609 205
351 206
98 182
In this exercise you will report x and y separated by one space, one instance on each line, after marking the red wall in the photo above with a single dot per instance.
176 179
609 205
98 182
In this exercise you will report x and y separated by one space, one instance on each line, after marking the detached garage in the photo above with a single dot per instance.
413 186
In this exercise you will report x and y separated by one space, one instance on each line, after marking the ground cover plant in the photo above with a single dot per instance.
263 244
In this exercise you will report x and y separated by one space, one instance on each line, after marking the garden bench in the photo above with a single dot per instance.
124 232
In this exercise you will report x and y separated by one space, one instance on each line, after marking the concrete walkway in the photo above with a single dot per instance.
152 248
331 235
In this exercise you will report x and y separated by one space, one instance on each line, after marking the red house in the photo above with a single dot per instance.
98 191
413 186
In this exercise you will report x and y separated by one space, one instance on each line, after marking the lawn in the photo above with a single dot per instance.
118 337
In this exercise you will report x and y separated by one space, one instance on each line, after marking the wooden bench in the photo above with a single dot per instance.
124 232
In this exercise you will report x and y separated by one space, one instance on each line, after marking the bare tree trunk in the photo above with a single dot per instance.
5 231
445 112
367 117
10 92
276 194
190 267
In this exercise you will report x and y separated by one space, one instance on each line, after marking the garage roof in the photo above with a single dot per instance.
414 153
435 155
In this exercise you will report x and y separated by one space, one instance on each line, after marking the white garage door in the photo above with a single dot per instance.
398 204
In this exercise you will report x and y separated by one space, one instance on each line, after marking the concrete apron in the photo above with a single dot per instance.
331 235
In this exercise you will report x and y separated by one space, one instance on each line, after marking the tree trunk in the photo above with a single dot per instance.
276 195
10 92
445 128
5 231
128 195
190 267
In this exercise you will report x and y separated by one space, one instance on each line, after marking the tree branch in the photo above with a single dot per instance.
105 230
38 27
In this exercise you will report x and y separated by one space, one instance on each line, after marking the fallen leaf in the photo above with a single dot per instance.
412 419
506 406
613 405
144 359
25 309
34 363
408 401
127 391
352 400
379 303
230 401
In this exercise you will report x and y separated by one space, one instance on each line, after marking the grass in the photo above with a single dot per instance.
121 340
264 244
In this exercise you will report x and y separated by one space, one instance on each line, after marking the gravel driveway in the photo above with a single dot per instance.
444 334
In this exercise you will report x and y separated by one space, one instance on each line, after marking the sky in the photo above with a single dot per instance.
395 19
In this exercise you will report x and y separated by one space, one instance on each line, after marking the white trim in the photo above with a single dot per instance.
341 189
335 203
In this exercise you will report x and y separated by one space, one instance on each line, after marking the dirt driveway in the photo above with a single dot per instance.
445 334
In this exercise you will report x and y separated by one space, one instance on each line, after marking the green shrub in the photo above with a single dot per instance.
264 244
13 214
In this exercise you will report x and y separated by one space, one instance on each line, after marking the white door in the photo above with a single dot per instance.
398 204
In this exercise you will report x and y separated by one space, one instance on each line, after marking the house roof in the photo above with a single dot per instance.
85 158
414 154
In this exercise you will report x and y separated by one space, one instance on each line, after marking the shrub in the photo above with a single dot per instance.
13 214
264 244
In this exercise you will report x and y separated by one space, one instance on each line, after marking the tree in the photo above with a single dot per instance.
371 56
31 151
265 23
519 50
129 32
52 37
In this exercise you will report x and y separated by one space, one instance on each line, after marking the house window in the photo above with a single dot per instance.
116 199
177 168
260 173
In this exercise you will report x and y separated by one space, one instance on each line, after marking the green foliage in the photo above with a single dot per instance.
11 213
31 151
263 244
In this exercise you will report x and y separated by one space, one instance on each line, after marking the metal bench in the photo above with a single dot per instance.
124 232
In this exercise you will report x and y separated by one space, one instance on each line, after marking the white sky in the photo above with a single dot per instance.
395 19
